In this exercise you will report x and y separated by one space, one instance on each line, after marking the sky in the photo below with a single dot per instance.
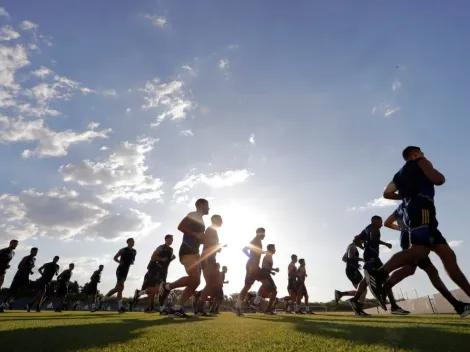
115 117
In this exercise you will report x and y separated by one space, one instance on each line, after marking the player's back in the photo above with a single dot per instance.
411 181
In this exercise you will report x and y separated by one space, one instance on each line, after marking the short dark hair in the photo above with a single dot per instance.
293 256
101 266
13 241
260 230
168 236
376 217
34 249
56 257
409 150
302 261
200 202
71 264
215 217
224 267
270 247
129 239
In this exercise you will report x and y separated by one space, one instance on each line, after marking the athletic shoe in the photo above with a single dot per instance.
58 310
354 306
237 311
310 312
178 313
1 310
256 307
363 314
28 308
300 312
337 296
201 314
463 309
399 311
375 280
122 310
38 310
269 313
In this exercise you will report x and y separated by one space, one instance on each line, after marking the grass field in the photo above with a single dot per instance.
83 331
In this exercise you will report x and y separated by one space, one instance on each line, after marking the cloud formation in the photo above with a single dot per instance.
376 203
157 21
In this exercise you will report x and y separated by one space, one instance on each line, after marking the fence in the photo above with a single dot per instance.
435 304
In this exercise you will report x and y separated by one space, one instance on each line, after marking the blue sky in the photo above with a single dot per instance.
115 118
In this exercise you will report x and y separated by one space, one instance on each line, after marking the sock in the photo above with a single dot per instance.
239 303
257 300
177 307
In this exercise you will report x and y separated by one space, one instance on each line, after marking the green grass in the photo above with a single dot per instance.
84 331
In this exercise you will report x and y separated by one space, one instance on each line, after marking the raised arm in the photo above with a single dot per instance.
390 222
391 192
431 173
117 257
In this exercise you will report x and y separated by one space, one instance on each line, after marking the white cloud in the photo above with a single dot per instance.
49 143
252 139
122 175
12 58
129 223
65 213
28 25
233 46
168 96
85 266
37 111
42 72
157 21
7 33
396 85
377 203
4 13
215 180
109 93
385 108
223 64
6 98
93 125
455 243
128 110
186 133
86 91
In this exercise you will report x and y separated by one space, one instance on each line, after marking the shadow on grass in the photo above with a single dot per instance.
366 332
76 337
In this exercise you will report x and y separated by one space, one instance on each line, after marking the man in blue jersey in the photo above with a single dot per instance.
125 258
254 251
414 184
395 222
192 227
371 239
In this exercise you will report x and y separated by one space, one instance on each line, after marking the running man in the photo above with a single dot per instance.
20 281
63 281
254 251
218 299
352 259
192 227
268 288
209 265
371 239
125 258
395 222
47 271
292 286
302 290
92 288
157 271
6 255
414 184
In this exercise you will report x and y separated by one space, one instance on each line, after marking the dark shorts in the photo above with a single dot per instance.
405 244
153 278
42 283
292 285
62 290
20 282
266 278
187 250
354 275
420 219
121 273
372 262
252 275
302 289
92 288
209 261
